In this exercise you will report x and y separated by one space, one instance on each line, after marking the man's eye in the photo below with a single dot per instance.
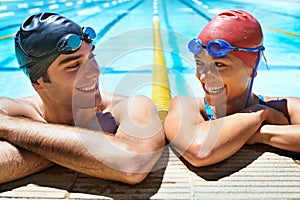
92 56
73 66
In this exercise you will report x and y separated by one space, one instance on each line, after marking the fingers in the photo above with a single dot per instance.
270 115
275 117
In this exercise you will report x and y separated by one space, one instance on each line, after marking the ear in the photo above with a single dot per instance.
38 85
197 74
253 72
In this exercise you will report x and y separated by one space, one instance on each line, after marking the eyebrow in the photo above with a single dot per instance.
220 59
71 58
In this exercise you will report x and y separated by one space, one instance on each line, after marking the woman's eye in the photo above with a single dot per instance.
219 64
199 63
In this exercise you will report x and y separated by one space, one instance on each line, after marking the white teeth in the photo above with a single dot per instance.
89 88
214 89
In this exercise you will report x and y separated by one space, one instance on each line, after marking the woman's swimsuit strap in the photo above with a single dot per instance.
209 112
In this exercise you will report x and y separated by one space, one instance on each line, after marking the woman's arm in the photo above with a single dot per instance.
207 142
285 137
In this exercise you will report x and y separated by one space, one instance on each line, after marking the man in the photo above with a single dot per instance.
210 129
37 131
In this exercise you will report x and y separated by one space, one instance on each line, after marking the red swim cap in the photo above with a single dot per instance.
237 27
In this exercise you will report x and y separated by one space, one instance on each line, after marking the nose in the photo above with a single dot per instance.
91 69
208 73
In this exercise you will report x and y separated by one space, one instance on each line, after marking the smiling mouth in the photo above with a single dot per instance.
89 88
214 89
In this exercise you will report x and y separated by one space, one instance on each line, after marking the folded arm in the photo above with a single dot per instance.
207 142
16 162
127 156
285 137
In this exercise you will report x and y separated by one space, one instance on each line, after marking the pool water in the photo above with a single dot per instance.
125 42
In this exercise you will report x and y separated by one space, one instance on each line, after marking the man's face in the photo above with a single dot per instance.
223 79
74 79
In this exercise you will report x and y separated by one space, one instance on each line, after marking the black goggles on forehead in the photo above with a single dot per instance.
72 42
68 44
217 48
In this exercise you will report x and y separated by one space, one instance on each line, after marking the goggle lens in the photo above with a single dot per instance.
73 41
89 33
195 46
218 48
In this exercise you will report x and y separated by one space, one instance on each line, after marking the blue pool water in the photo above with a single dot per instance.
125 41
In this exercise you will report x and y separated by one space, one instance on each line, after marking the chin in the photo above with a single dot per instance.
216 99
87 99
85 102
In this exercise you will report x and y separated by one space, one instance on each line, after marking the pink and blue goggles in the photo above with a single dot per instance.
218 48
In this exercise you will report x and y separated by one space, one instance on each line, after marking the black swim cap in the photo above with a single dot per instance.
37 38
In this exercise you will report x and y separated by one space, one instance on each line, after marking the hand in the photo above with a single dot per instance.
107 122
269 115
3 123
256 138
103 122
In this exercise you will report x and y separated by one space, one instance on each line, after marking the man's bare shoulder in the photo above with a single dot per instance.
34 101
25 101
140 104
117 99
31 106
111 98
186 102
120 104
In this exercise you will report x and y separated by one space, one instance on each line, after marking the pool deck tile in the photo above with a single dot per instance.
254 172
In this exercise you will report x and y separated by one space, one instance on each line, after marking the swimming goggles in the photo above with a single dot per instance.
217 48
72 42
68 44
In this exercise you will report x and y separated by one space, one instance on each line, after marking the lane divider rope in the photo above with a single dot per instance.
282 31
161 95
7 37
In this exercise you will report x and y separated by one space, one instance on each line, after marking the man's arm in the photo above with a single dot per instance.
285 137
207 142
127 156
16 162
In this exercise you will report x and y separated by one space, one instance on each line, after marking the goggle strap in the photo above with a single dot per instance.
17 39
252 79
265 60
256 49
